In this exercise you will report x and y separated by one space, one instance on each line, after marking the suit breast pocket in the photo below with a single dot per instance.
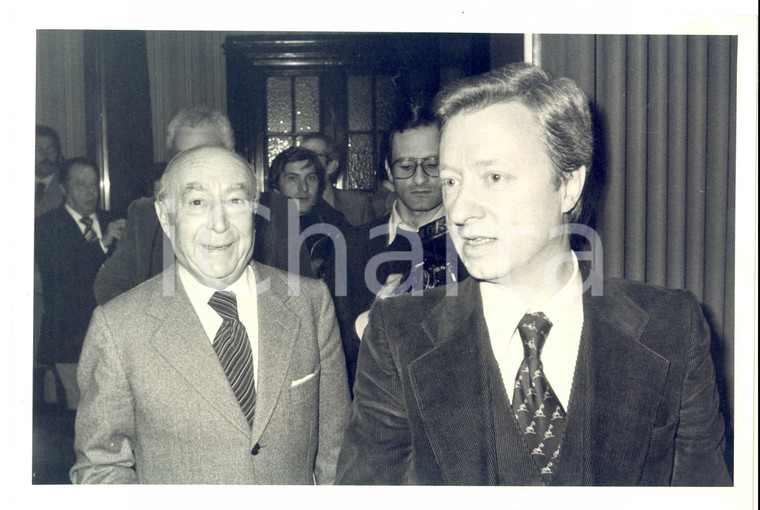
304 387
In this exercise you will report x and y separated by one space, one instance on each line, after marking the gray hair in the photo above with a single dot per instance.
201 116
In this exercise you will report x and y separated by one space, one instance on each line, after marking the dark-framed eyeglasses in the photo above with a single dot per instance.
404 168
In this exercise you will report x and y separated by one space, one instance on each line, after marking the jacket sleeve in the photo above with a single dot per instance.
120 272
377 444
700 437
105 423
333 391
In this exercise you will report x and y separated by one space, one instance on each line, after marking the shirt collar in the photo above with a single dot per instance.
511 307
199 293
76 215
396 221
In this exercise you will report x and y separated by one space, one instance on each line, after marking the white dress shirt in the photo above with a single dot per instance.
245 294
504 309
396 221
83 227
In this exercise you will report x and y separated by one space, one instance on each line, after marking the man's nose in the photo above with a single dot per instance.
462 205
218 219
419 176
303 187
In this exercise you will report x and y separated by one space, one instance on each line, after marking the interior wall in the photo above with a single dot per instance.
60 96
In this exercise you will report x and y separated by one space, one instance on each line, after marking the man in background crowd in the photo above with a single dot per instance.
70 244
355 205
297 174
47 163
412 167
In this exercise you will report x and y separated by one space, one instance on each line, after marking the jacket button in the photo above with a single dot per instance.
255 449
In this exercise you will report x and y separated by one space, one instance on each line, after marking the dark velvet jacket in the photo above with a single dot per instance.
430 406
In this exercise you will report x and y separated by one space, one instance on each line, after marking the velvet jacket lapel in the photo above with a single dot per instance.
617 387
453 384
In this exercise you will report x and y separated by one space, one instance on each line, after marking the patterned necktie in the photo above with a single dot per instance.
89 234
234 351
539 412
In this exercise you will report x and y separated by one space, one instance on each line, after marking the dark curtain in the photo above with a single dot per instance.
665 110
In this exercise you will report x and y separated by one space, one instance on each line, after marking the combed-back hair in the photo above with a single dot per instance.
411 116
200 116
292 155
71 163
558 105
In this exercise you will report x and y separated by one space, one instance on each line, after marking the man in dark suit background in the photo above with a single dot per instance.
411 162
71 243
145 251
538 371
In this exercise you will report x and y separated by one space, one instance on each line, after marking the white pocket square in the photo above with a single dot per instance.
302 380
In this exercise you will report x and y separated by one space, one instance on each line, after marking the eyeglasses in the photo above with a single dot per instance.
404 168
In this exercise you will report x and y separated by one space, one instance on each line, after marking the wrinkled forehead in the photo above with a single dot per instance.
209 168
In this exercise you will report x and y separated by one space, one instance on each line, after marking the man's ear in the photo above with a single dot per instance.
388 171
332 167
163 218
572 188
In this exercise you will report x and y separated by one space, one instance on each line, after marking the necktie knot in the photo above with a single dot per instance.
225 304
87 221
534 328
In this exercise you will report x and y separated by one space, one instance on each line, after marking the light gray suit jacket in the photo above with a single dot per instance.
157 407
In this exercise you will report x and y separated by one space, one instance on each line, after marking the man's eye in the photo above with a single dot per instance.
449 182
312 178
495 177
196 202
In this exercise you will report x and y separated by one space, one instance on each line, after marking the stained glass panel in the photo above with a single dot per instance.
279 105
307 104
275 145
360 162
384 96
359 103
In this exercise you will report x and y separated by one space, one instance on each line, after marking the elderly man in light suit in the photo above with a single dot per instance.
159 405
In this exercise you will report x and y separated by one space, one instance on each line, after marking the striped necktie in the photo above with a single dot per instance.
89 233
538 411
233 348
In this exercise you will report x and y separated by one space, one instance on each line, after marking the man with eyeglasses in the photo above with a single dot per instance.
412 164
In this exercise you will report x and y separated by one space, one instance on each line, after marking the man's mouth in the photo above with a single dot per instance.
479 241
217 247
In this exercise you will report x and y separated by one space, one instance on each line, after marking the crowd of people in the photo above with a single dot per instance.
222 333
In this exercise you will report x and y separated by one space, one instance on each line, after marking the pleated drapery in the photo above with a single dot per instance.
665 111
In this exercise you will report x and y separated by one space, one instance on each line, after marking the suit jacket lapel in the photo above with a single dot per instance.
617 388
451 387
278 331
183 342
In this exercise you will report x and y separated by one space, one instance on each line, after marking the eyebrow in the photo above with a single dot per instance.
196 186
